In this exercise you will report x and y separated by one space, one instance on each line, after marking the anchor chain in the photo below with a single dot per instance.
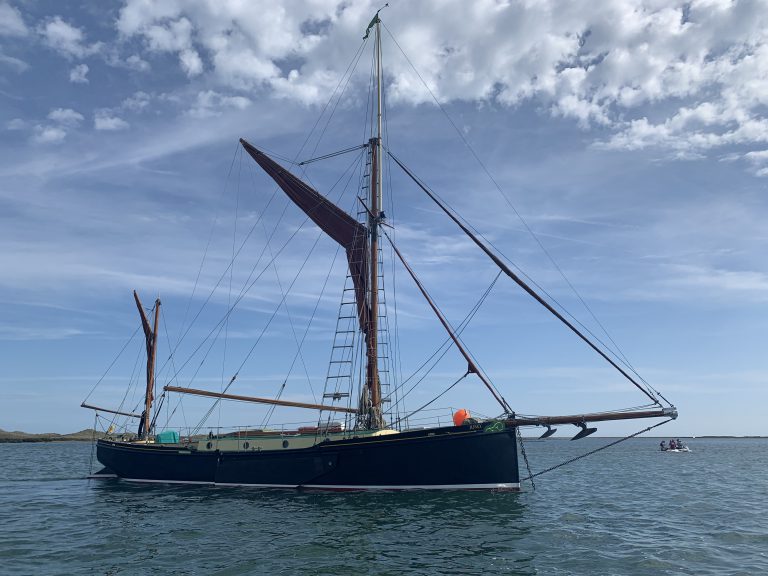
93 441
525 457
556 466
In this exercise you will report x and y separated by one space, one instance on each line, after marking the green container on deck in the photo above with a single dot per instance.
167 437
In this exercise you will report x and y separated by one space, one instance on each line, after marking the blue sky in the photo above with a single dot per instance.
632 140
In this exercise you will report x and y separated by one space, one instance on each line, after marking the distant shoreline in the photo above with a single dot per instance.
18 437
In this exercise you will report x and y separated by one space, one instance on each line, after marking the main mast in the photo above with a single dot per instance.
373 385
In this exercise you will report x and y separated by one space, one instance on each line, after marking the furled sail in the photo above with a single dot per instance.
334 221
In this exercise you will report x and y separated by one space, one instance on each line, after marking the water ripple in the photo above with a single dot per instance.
630 511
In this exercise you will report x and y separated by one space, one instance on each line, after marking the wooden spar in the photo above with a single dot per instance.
110 411
372 372
151 384
374 214
472 366
150 334
195 392
519 281
595 417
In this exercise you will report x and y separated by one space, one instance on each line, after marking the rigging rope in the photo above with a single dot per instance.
352 65
250 352
271 409
284 294
445 344
112 364
473 363
443 393
333 154
174 377
299 344
619 354
129 388
496 260
205 254
619 358
398 369
247 287
216 286
231 275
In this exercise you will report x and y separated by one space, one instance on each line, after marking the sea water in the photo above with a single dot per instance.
627 510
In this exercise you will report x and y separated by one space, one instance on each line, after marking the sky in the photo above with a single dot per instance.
618 156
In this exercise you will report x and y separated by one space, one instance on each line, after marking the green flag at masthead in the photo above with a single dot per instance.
373 21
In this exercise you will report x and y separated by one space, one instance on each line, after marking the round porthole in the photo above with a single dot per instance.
246 445
285 443
209 445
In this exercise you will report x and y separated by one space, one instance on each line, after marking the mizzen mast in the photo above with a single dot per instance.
150 335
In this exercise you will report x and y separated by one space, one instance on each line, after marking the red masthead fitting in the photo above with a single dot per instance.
460 416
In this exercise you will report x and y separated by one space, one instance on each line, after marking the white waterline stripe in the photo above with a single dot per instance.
500 486
168 481
503 486
235 484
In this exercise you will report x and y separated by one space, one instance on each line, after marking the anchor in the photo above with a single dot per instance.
548 432
584 432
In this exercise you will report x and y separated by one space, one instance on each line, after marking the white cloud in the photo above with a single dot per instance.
15 63
63 119
65 116
740 283
687 77
78 74
137 102
49 134
136 63
114 58
245 41
42 333
11 22
171 36
105 120
191 62
210 103
758 155
16 124
759 161
66 39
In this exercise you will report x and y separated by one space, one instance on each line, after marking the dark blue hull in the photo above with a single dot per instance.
460 457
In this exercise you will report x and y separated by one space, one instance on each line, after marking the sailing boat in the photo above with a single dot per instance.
375 452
